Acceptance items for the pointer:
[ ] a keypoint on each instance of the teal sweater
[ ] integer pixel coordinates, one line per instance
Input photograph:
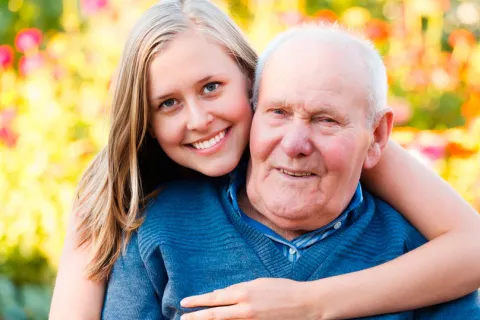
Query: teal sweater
(194, 242)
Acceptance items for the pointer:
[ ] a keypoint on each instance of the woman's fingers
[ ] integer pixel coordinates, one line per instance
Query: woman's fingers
(222, 297)
(232, 312)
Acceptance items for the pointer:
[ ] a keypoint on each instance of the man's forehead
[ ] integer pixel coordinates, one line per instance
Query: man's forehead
(300, 66)
(313, 94)
(309, 49)
(308, 84)
(319, 65)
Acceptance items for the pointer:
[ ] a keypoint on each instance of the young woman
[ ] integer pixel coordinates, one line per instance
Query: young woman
(162, 114)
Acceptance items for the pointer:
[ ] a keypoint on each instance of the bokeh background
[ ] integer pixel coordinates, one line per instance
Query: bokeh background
(57, 59)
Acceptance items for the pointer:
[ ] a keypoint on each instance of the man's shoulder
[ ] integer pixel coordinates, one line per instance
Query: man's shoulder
(467, 307)
(394, 223)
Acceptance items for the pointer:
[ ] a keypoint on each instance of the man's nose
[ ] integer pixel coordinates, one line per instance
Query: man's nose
(296, 140)
(198, 117)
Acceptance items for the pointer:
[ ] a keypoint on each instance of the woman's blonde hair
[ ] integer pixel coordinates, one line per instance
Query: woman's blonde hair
(113, 190)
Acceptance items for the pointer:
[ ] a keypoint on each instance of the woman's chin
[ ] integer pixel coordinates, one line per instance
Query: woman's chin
(218, 170)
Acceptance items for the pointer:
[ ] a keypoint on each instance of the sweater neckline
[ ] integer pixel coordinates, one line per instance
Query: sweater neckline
(273, 259)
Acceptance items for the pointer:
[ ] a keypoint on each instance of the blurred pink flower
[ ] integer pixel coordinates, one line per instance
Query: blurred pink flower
(7, 136)
(434, 152)
(432, 145)
(90, 7)
(28, 64)
(6, 56)
(7, 116)
(27, 39)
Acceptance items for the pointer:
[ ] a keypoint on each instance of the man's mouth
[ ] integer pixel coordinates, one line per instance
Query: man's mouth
(211, 142)
(296, 173)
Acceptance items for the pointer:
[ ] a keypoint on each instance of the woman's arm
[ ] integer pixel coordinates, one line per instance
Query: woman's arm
(75, 297)
(443, 269)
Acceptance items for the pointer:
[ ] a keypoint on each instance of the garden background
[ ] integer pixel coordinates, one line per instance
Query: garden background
(57, 58)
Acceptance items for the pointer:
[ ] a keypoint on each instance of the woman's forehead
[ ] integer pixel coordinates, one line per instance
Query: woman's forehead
(192, 52)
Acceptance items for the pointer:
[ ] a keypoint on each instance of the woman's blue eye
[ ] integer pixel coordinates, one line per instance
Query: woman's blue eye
(168, 103)
(210, 87)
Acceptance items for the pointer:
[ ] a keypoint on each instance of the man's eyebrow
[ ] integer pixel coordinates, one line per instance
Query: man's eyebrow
(313, 108)
(278, 104)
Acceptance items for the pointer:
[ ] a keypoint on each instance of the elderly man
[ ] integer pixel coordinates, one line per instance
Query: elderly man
(300, 213)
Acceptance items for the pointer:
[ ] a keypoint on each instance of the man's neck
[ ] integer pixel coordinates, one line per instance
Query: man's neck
(248, 209)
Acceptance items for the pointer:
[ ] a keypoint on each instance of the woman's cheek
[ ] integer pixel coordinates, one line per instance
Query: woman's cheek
(241, 112)
(168, 132)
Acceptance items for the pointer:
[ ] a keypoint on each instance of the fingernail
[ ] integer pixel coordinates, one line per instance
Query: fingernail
(183, 303)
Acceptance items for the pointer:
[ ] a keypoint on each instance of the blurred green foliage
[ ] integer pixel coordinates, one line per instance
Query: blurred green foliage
(18, 14)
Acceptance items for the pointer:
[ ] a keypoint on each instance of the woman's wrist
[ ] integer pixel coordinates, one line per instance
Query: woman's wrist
(313, 300)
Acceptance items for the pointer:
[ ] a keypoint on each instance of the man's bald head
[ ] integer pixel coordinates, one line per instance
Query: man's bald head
(328, 46)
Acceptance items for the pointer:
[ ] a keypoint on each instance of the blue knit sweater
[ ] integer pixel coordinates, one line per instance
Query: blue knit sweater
(194, 242)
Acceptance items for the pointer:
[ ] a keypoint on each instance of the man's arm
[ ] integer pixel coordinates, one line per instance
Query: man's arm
(130, 292)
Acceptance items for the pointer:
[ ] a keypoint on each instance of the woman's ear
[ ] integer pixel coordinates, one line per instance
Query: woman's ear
(382, 128)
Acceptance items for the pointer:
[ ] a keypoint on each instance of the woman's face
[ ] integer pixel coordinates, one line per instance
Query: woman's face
(199, 105)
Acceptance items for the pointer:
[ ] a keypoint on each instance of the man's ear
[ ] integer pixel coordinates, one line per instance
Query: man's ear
(382, 127)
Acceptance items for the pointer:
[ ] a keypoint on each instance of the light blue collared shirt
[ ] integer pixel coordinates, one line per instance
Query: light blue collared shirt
(293, 249)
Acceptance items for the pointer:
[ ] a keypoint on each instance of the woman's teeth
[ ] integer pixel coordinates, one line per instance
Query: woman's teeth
(209, 143)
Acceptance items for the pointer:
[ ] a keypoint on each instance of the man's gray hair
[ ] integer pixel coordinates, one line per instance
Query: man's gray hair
(335, 34)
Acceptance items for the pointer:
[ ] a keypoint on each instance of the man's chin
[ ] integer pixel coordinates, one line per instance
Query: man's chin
(287, 214)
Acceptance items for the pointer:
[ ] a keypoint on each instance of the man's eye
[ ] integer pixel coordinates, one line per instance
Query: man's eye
(210, 87)
(326, 120)
(168, 103)
(278, 111)
(329, 120)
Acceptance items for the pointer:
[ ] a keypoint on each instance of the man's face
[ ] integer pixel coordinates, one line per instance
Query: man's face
(310, 135)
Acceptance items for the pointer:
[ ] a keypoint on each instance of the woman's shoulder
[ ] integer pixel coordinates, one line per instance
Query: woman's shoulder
(181, 203)
(172, 195)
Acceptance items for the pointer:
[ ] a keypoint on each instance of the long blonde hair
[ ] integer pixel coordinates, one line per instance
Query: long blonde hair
(113, 189)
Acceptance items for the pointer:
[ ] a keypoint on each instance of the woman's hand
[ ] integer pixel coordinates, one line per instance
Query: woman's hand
(265, 299)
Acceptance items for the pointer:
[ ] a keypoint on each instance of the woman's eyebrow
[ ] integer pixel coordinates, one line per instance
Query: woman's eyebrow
(209, 77)
(160, 97)
(202, 80)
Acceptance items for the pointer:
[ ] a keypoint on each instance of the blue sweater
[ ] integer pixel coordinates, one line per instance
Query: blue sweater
(193, 242)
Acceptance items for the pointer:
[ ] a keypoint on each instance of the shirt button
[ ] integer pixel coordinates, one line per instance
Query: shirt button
(292, 251)
(337, 225)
